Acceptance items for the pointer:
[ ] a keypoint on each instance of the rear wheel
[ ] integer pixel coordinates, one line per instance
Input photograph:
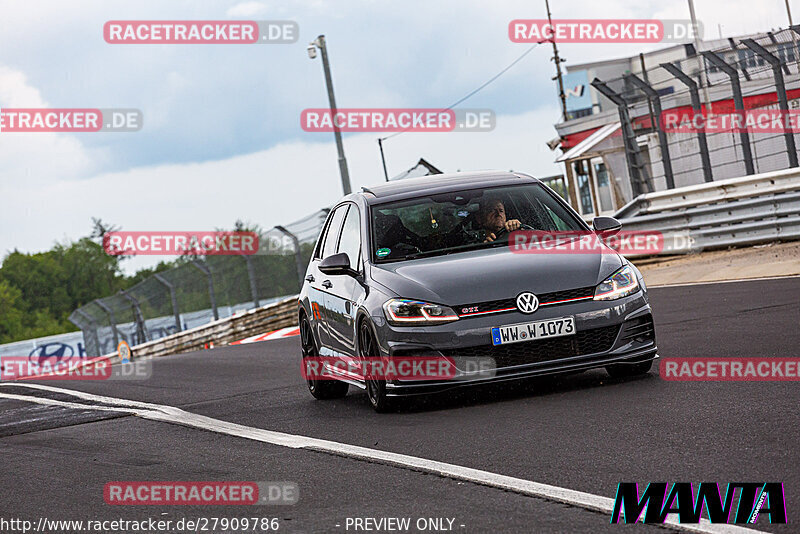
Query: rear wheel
(629, 370)
(319, 388)
(376, 388)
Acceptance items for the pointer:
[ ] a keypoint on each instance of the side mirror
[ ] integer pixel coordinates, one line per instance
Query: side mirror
(606, 226)
(337, 264)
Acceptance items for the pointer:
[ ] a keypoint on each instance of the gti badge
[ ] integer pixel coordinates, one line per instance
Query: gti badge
(527, 302)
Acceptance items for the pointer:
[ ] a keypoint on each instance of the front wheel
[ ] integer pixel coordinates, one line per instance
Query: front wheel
(376, 388)
(629, 370)
(320, 388)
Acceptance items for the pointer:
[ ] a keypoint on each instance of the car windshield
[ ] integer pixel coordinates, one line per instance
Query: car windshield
(458, 221)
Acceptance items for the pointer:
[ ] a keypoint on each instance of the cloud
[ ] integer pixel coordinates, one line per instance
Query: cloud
(275, 186)
(36, 158)
(246, 9)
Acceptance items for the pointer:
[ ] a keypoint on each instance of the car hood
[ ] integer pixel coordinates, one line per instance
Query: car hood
(491, 274)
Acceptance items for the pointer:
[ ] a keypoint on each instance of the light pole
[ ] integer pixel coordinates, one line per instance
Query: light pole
(319, 42)
(561, 95)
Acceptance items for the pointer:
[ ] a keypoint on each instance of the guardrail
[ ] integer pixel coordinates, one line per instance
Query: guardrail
(739, 211)
(224, 331)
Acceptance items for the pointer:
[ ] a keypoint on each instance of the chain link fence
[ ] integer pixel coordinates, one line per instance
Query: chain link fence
(756, 73)
(201, 289)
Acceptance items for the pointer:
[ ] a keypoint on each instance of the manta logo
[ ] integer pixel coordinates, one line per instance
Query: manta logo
(755, 500)
(61, 352)
(527, 302)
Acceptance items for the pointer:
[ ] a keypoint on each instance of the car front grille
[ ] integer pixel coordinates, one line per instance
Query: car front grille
(510, 304)
(584, 342)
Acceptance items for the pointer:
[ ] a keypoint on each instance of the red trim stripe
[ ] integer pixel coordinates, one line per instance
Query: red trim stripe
(565, 300)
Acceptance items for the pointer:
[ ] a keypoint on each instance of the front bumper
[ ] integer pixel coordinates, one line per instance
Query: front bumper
(616, 332)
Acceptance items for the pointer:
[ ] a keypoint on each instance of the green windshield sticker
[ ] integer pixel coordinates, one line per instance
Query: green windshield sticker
(381, 252)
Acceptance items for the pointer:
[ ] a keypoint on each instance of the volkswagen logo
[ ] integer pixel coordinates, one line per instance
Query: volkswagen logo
(527, 302)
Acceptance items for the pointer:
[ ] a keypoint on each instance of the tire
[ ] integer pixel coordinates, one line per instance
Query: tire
(629, 370)
(376, 389)
(319, 389)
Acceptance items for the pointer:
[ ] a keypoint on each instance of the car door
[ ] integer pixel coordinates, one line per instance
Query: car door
(344, 290)
(315, 278)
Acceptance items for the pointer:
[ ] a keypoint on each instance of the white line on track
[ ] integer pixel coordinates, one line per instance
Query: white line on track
(683, 284)
(171, 414)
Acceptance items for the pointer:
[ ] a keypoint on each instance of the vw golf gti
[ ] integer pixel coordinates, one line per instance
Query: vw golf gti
(425, 267)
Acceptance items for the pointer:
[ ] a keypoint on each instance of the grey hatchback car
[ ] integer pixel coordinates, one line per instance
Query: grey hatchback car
(425, 266)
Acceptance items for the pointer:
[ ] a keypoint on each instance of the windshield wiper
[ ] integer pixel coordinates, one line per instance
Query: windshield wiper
(447, 251)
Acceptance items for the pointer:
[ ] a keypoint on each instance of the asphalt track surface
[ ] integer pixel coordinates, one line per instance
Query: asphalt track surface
(583, 432)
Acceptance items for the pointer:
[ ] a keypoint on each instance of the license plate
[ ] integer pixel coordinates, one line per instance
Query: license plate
(516, 333)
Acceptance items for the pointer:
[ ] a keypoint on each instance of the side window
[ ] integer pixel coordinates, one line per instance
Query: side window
(320, 242)
(332, 234)
(350, 242)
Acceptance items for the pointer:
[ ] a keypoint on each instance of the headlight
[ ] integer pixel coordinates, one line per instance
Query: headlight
(407, 312)
(620, 284)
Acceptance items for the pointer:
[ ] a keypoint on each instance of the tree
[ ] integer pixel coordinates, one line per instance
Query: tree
(11, 316)
(40, 290)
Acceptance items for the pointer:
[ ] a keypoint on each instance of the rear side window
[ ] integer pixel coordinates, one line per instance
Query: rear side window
(350, 242)
(328, 247)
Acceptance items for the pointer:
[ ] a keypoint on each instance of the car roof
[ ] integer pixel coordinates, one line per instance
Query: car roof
(441, 183)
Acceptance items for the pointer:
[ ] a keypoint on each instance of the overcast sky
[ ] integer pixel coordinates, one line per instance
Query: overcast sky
(222, 138)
